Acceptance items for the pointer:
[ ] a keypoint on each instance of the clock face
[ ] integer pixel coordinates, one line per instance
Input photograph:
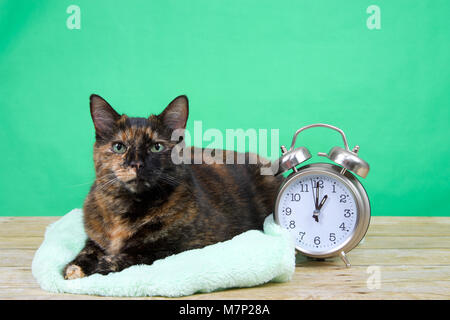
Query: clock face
(319, 211)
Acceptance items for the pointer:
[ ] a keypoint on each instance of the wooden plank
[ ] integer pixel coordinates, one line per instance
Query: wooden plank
(17, 277)
(416, 226)
(18, 293)
(405, 242)
(396, 282)
(20, 242)
(25, 226)
(358, 257)
(412, 255)
(386, 257)
(31, 219)
(16, 258)
(11, 230)
(27, 221)
(400, 281)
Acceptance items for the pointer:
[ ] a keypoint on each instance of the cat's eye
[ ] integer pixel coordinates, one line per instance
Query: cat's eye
(119, 147)
(157, 147)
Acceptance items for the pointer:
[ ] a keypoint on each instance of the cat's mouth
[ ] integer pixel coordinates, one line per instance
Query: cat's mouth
(136, 184)
(131, 184)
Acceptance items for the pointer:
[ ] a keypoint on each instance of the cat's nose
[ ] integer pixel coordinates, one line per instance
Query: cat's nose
(136, 164)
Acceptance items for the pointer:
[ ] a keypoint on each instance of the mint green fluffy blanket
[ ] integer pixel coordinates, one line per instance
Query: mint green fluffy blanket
(249, 259)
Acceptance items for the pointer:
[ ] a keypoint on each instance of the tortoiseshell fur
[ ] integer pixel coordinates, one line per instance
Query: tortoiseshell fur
(143, 207)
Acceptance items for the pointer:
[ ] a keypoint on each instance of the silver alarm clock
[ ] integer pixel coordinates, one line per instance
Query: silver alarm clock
(323, 205)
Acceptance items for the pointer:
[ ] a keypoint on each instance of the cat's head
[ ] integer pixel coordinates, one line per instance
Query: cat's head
(135, 153)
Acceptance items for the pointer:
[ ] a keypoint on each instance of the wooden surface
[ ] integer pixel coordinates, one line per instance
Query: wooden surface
(401, 258)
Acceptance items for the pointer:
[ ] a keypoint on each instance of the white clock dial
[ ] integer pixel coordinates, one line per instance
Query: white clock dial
(319, 211)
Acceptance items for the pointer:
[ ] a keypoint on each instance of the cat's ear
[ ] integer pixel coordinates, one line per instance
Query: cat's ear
(176, 113)
(103, 116)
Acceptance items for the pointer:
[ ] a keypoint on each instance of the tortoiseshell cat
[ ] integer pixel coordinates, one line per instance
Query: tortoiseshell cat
(143, 207)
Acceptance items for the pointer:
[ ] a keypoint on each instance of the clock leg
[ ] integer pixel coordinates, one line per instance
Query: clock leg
(345, 259)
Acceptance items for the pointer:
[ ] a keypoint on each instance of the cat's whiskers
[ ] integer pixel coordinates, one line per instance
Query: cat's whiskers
(79, 184)
(168, 178)
(105, 185)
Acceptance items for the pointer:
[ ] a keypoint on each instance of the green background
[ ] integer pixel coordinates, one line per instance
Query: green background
(243, 64)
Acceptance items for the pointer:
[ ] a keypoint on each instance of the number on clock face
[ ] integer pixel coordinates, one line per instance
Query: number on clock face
(319, 211)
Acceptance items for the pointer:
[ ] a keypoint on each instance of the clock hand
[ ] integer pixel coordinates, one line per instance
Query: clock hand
(315, 197)
(316, 215)
(317, 211)
(312, 189)
(319, 207)
(322, 202)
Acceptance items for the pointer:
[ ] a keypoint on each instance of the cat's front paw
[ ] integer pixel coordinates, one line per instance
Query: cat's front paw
(72, 271)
